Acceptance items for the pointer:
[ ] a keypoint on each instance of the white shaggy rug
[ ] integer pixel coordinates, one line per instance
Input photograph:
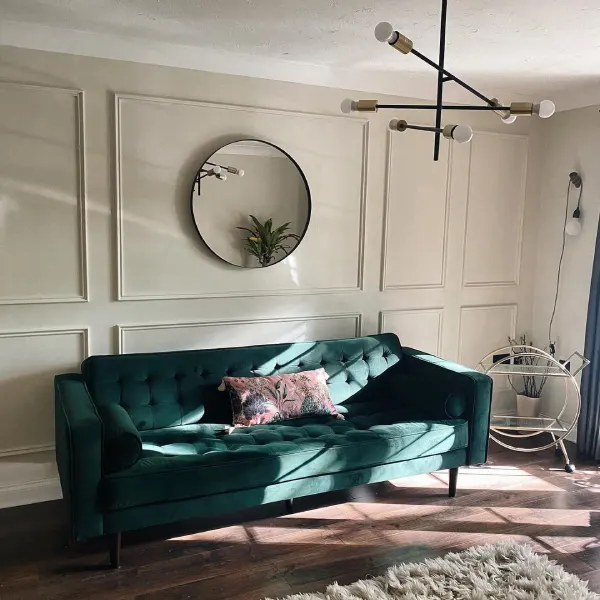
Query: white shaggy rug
(506, 571)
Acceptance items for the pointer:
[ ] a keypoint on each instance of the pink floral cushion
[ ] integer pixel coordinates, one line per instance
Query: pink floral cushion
(260, 400)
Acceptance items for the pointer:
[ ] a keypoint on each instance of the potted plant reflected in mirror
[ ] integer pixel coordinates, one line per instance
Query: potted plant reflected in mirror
(265, 240)
(529, 394)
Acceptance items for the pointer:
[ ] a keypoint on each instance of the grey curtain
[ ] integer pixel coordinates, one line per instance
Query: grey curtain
(588, 427)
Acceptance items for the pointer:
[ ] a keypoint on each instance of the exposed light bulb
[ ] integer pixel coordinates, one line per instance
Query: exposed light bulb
(348, 106)
(573, 226)
(216, 170)
(384, 32)
(509, 119)
(398, 125)
(240, 172)
(222, 176)
(462, 134)
(545, 109)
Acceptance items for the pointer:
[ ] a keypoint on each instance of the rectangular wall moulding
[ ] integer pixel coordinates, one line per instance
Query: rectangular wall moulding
(419, 328)
(495, 207)
(416, 213)
(161, 143)
(30, 360)
(223, 334)
(42, 189)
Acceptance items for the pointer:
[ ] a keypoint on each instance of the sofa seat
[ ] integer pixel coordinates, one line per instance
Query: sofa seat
(192, 461)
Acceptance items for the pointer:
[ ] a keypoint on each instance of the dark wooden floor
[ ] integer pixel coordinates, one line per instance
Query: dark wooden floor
(336, 537)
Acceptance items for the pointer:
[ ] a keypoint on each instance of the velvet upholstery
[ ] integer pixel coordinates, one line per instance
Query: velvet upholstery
(78, 432)
(262, 454)
(178, 510)
(405, 412)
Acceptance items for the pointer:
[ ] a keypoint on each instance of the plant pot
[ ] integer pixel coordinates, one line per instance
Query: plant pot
(527, 406)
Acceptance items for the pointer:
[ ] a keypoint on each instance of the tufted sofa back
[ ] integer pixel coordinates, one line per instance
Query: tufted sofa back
(165, 389)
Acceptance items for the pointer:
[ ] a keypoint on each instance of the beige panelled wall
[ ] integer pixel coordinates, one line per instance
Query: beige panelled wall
(99, 253)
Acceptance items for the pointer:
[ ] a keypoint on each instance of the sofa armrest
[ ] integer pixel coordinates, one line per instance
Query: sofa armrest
(122, 444)
(449, 390)
(78, 431)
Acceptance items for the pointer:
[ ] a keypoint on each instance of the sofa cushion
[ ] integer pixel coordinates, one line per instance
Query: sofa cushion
(168, 389)
(275, 398)
(194, 461)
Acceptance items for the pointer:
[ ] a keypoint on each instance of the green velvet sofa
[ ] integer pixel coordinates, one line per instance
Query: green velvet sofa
(140, 437)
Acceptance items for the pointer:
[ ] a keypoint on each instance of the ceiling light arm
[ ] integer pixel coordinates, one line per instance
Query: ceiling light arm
(447, 76)
(440, 81)
(461, 133)
(444, 107)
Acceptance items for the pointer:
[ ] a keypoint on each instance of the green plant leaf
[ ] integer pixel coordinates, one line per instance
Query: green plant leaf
(250, 231)
(260, 228)
(282, 228)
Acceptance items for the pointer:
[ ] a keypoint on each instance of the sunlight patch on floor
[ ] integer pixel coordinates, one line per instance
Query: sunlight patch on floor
(335, 511)
(235, 533)
(505, 478)
(546, 516)
(419, 481)
(569, 544)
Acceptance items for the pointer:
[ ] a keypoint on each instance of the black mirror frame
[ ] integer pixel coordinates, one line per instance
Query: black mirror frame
(306, 187)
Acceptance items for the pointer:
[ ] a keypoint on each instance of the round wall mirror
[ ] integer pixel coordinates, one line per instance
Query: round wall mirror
(251, 203)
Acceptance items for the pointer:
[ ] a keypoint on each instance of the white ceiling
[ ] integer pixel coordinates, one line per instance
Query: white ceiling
(537, 48)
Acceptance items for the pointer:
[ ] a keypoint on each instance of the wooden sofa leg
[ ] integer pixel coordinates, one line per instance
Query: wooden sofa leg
(452, 483)
(289, 505)
(114, 549)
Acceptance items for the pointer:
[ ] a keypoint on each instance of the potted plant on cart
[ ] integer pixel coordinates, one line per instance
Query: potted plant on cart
(529, 394)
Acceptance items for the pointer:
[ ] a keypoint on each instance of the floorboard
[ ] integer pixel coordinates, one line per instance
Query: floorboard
(342, 536)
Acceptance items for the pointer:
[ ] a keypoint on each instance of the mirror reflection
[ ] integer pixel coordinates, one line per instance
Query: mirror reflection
(251, 204)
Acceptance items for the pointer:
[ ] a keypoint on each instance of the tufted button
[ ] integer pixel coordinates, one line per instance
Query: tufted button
(229, 372)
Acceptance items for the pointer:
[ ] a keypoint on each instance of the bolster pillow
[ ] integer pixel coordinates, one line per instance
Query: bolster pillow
(122, 442)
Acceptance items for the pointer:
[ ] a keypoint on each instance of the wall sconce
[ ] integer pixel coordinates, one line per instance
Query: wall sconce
(573, 225)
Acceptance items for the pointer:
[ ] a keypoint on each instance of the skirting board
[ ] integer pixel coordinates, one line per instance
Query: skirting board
(30, 492)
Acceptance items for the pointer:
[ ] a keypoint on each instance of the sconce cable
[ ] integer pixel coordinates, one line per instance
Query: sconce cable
(574, 179)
